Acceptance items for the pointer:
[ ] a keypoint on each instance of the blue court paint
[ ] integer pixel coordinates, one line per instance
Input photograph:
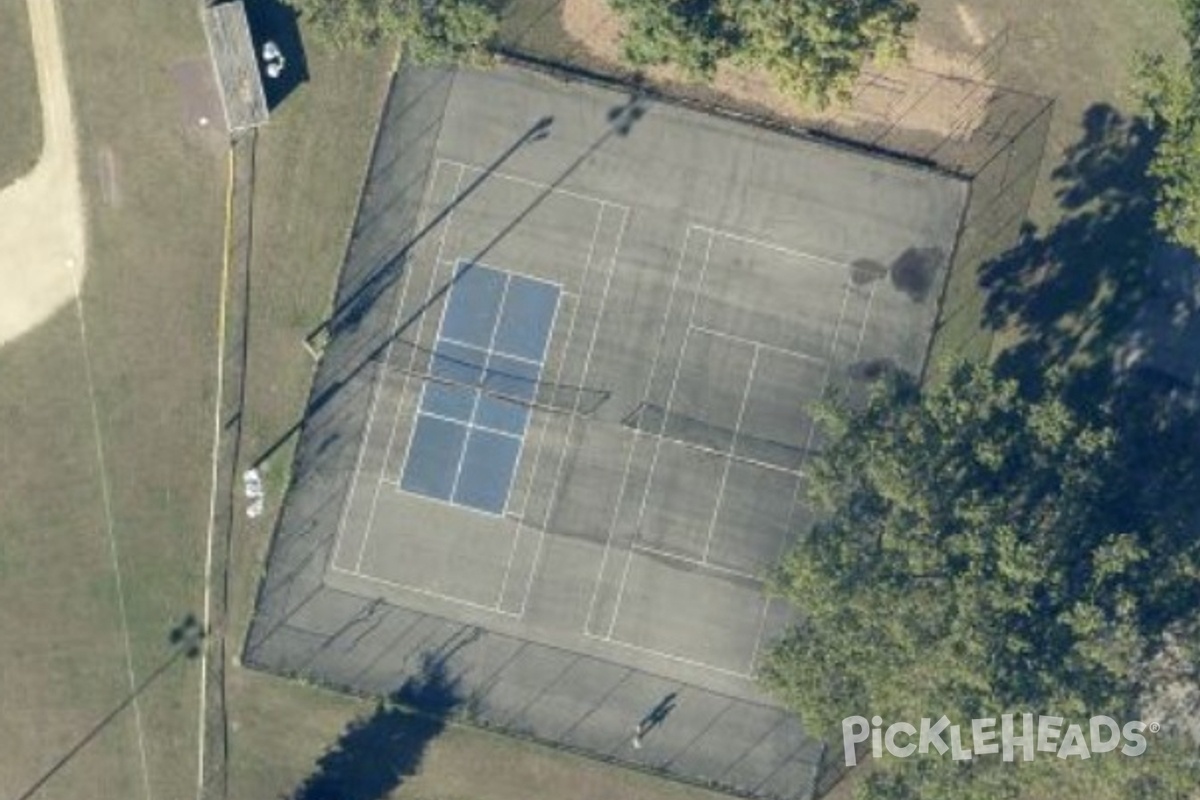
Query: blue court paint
(463, 366)
(433, 457)
(526, 318)
(473, 306)
(491, 344)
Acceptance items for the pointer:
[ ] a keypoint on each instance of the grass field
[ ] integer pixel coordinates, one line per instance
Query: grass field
(1077, 52)
(22, 138)
(148, 303)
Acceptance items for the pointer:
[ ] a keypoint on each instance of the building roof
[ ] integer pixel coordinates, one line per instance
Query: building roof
(236, 65)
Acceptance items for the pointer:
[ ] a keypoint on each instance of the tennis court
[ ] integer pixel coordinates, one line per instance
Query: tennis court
(581, 415)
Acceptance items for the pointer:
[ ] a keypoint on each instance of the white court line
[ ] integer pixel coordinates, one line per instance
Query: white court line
(691, 662)
(110, 525)
(462, 455)
(409, 494)
(737, 237)
(562, 290)
(537, 457)
(732, 456)
(470, 426)
(529, 412)
(387, 360)
(412, 431)
(862, 329)
(366, 436)
(766, 606)
(708, 565)
(662, 335)
(460, 262)
(658, 443)
(429, 292)
(763, 345)
(537, 184)
(448, 598)
(477, 349)
(737, 427)
(587, 365)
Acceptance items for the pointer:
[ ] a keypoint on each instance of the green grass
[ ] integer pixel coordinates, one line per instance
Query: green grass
(62, 659)
(21, 140)
(1081, 54)
(309, 167)
(149, 299)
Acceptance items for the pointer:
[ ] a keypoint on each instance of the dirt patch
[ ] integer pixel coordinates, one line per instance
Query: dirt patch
(201, 117)
(938, 93)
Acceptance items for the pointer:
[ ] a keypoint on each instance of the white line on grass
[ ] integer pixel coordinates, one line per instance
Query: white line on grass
(110, 527)
(213, 477)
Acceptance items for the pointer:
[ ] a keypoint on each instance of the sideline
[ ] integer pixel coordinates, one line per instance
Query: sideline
(214, 479)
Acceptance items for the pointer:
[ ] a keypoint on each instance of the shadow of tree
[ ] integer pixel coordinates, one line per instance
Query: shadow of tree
(375, 754)
(1075, 297)
(1069, 292)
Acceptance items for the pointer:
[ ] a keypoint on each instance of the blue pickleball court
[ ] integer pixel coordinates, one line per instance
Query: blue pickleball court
(486, 365)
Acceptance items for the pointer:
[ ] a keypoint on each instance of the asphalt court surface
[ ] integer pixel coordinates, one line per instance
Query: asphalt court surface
(639, 303)
(708, 282)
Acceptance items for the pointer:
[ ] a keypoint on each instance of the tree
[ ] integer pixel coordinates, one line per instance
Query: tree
(979, 553)
(351, 23)
(814, 49)
(1171, 95)
(685, 33)
(447, 31)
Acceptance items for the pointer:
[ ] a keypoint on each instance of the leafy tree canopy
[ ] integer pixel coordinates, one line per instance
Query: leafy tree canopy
(814, 49)
(978, 553)
(446, 31)
(1171, 95)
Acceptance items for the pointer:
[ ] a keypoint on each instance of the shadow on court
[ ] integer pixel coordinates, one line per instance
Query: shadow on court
(350, 311)
(185, 641)
(375, 754)
(353, 308)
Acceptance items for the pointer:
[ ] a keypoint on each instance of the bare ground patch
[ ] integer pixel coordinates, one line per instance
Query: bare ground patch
(41, 214)
(938, 93)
